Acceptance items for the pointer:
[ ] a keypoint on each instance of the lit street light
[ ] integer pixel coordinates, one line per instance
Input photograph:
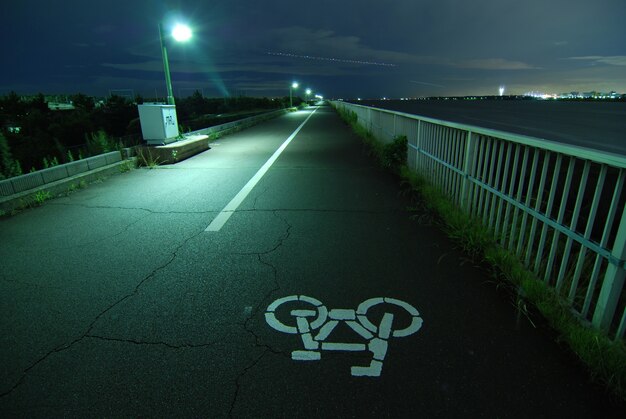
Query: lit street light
(294, 85)
(180, 33)
(308, 93)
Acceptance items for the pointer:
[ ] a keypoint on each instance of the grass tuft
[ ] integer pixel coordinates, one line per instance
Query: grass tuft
(146, 158)
(41, 197)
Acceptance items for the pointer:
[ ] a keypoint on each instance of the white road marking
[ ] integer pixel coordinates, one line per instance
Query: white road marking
(306, 356)
(332, 346)
(271, 319)
(219, 221)
(342, 314)
(377, 336)
(373, 370)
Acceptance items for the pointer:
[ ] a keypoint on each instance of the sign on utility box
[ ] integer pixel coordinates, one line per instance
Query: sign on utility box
(158, 123)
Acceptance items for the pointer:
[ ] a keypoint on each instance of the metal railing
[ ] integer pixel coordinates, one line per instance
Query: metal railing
(559, 208)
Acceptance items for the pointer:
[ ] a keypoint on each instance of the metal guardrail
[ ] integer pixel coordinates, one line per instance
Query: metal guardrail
(560, 208)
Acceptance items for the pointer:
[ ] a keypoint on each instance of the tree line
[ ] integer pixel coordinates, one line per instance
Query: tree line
(33, 137)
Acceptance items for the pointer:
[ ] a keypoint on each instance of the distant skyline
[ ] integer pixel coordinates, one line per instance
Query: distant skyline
(352, 48)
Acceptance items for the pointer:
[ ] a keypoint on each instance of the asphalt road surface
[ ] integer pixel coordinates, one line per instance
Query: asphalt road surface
(315, 294)
(596, 125)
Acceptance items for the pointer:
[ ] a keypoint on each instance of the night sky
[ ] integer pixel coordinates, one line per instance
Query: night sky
(339, 48)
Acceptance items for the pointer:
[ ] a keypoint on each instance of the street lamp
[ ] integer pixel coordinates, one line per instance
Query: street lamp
(308, 93)
(294, 85)
(180, 33)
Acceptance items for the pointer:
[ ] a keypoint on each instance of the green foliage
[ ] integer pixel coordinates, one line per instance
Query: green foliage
(41, 197)
(146, 158)
(83, 102)
(70, 157)
(8, 166)
(99, 142)
(391, 156)
(53, 161)
(126, 166)
(76, 186)
(17, 168)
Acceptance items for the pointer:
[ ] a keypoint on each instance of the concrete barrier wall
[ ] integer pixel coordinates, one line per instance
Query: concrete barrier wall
(242, 122)
(33, 180)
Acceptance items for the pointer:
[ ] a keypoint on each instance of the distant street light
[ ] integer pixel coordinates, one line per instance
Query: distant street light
(180, 33)
(308, 93)
(294, 85)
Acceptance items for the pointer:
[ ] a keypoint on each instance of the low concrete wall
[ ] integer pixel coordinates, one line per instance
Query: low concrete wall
(28, 197)
(33, 180)
(242, 123)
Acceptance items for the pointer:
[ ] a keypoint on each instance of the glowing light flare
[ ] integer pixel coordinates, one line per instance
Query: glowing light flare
(501, 90)
(295, 85)
(181, 32)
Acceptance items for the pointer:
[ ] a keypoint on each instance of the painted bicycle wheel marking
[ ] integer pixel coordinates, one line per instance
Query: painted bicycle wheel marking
(319, 317)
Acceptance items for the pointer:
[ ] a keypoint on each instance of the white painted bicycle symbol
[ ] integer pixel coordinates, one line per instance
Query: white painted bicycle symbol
(319, 317)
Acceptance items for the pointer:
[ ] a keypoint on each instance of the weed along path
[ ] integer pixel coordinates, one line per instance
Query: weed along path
(319, 295)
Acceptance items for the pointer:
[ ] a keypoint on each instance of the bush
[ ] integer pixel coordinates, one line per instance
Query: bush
(99, 142)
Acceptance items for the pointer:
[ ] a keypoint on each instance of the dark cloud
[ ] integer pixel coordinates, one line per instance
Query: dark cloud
(349, 48)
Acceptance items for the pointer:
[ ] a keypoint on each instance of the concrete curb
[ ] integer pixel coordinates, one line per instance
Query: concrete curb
(27, 198)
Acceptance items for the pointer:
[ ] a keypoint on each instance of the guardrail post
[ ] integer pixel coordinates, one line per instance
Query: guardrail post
(394, 127)
(613, 281)
(468, 163)
(418, 144)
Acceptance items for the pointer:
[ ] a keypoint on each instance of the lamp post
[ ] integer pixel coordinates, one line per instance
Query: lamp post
(308, 93)
(181, 33)
(294, 85)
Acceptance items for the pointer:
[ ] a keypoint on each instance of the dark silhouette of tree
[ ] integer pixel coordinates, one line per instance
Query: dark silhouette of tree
(8, 166)
(84, 102)
(11, 107)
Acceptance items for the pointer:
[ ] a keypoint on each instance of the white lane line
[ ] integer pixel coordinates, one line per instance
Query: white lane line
(219, 221)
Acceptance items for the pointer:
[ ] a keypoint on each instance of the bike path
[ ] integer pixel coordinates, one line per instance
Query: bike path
(120, 303)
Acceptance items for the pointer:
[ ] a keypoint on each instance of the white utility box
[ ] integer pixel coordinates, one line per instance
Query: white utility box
(158, 123)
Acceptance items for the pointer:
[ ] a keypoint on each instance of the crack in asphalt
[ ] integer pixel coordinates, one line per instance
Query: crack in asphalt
(237, 383)
(151, 211)
(279, 243)
(102, 239)
(258, 196)
(246, 324)
(86, 334)
(142, 342)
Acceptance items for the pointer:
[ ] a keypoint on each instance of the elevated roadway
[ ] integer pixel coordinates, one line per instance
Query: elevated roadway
(316, 294)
